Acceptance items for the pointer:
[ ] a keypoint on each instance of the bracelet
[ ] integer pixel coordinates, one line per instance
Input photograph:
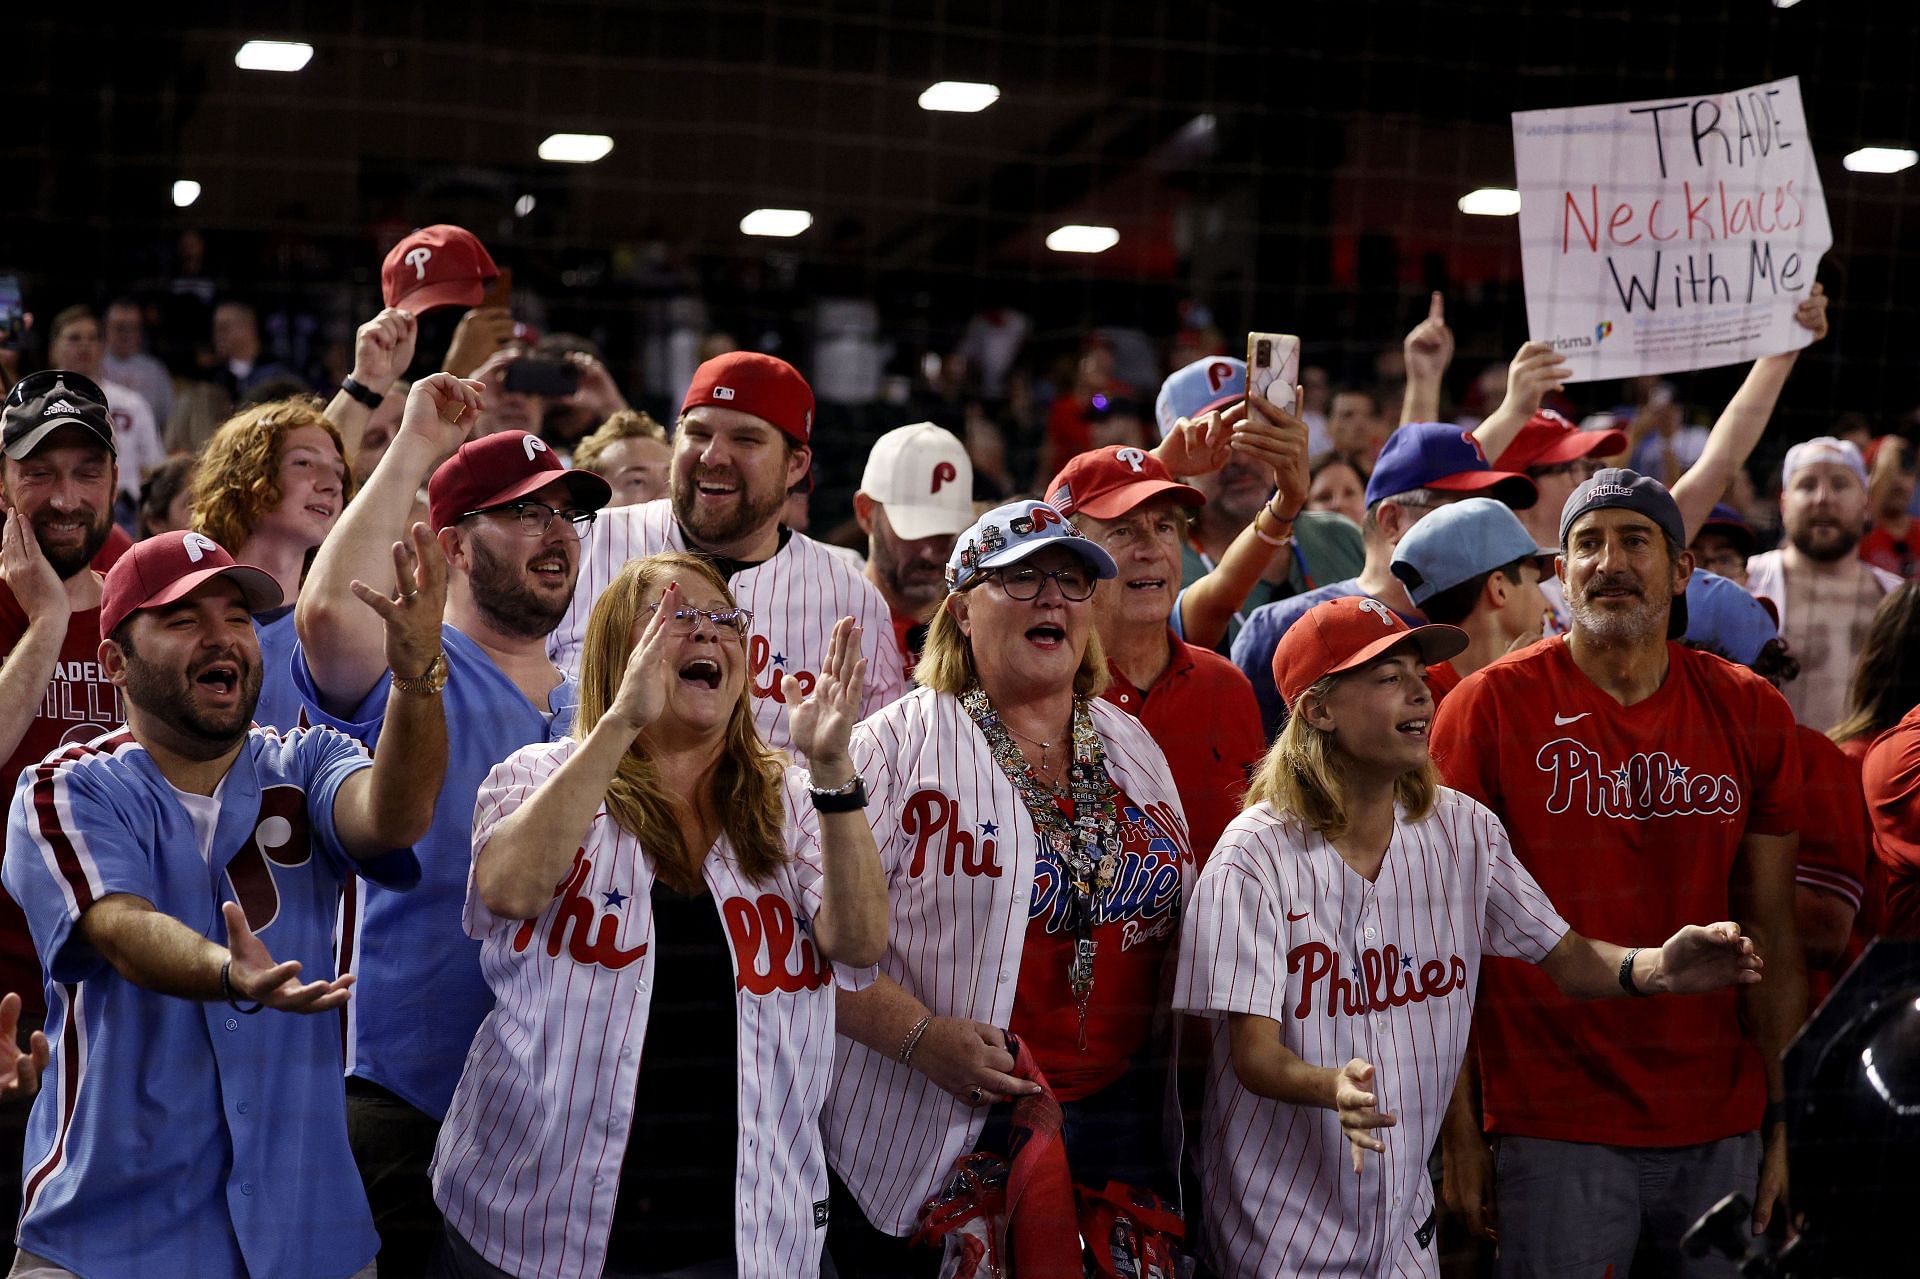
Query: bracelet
(1284, 519)
(1275, 542)
(1775, 1113)
(360, 391)
(1285, 539)
(912, 1041)
(850, 798)
(1626, 972)
(226, 988)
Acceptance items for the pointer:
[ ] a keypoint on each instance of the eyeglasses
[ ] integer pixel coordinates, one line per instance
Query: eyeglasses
(732, 623)
(536, 518)
(1075, 582)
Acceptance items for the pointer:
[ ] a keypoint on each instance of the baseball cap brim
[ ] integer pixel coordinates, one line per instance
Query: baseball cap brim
(589, 491)
(19, 449)
(1436, 644)
(911, 523)
(262, 592)
(1117, 502)
(1574, 445)
(1509, 487)
(1086, 548)
(1739, 534)
(431, 297)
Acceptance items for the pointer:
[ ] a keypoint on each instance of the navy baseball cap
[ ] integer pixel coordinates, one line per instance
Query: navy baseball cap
(1730, 524)
(1458, 543)
(1721, 616)
(1008, 534)
(1618, 488)
(1439, 455)
(1209, 383)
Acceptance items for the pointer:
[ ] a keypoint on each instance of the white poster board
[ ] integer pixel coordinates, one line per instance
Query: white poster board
(1671, 234)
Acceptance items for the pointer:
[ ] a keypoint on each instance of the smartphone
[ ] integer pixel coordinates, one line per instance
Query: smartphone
(13, 315)
(1273, 368)
(555, 379)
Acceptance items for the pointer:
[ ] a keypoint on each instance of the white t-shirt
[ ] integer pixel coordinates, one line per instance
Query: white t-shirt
(136, 436)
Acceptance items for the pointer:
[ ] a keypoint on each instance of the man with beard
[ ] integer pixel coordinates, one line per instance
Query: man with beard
(915, 498)
(180, 873)
(1640, 782)
(741, 444)
(509, 519)
(1326, 547)
(1824, 593)
(59, 474)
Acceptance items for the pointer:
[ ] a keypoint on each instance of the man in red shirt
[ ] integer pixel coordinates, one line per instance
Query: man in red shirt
(59, 477)
(1642, 784)
(1891, 778)
(1194, 703)
(915, 497)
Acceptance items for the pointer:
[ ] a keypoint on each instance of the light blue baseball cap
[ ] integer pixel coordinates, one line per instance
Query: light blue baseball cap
(1209, 383)
(1008, 534)
(1721, 616)
(1459, 542)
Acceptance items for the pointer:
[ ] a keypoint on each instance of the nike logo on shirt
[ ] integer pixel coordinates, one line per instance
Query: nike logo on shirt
(1561, 721)
(1294, 919)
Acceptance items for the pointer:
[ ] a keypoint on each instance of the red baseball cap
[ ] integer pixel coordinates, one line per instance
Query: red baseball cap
(1548, 439)
(763, 385)
(500, 468)
(1107, 483)
(437, 266)
(1348, 632)
(170, 566)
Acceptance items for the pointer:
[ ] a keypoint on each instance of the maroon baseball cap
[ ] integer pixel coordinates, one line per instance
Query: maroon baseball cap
(437, 266)
(1548, 439)
(500, 468)
(1107, 483)
(170, 566)
(763, 385)
(1348, 632)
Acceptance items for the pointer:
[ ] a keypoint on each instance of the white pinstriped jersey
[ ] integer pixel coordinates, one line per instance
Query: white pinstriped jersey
(796, 597)
(959, 853)
(1385, 971)
(528, 1164)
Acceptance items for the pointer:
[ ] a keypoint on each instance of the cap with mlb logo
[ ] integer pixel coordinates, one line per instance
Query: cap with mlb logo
(763, 385)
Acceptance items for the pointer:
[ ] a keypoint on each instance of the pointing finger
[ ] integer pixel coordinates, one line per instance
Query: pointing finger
(1437, 307)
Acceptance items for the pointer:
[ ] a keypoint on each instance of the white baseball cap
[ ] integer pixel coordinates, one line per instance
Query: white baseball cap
(922, 475)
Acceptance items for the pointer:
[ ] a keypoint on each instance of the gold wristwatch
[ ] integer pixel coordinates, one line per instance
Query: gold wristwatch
(429, 681)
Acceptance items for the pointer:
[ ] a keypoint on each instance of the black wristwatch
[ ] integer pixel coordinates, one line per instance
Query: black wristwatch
(361, 391)
(849, 798)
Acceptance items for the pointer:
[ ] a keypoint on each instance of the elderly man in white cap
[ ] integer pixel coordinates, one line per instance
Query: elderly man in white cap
(1824, 593)
(915, 498)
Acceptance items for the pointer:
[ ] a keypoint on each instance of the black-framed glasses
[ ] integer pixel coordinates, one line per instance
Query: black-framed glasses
(1022, 582)
(732, 623)
(535, 518)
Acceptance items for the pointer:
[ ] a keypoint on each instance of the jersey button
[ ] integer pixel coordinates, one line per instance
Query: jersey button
(233, 1023)
(626, 1053)
(246, 1187)
(241, 1107)
(1369, 934)
(598, 1179)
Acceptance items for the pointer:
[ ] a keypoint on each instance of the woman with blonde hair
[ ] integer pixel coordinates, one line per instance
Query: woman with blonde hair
(269, 486)
(662, 902)
(1037, 858)
(1335, 940)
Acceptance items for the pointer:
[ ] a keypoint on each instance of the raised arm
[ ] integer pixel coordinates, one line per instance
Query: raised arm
(1534, 370)
(1693, 961)
(1742, 422)
(1427, 350)
(1277, 440)
(42, 596)
(390, 805)
(851, 924)
(382, 350)
(344, 641)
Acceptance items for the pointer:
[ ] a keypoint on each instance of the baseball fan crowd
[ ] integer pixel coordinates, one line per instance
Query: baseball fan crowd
(461, 827)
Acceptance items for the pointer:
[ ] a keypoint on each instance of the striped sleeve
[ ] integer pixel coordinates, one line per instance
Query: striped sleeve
(509, 784)
(1233, 939)
(70, 843)
(1518, 921)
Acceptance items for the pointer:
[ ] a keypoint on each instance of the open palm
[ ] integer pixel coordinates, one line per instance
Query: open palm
(821, 723)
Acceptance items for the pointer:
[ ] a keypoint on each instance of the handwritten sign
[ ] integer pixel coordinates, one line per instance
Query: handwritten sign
(1672, 234)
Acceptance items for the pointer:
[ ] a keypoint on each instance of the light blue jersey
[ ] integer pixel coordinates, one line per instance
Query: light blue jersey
(420, 995)
(172, 1137)
(279, 705)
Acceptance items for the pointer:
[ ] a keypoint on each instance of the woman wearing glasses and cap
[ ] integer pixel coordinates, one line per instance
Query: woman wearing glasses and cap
(1036, 857)
(661, 902)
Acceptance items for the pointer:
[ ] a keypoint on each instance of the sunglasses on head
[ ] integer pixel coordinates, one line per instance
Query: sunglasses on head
(35, 385)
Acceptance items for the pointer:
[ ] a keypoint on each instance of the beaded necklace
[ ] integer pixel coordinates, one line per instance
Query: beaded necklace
(1088, 845)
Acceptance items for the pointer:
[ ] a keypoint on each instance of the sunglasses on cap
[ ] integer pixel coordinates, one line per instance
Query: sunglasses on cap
(35, 385)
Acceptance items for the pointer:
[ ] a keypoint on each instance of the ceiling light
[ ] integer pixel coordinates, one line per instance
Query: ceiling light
(185, 192)
(1491, 202)
(959, 95)
(523, 206)
(576, 148)
(781, 223)
(1879, 160)
(1083, 239)
(272, 55)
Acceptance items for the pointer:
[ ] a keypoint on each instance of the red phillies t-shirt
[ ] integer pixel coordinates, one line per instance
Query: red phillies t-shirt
(1900, 556)
(1138, 918)
(904, 627)
(1441, 680)
(1630, 818)
(1871, 921)
(116, 545)
(1891, 779)
(1833, 839)
(79, 705)
(1202, 716)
